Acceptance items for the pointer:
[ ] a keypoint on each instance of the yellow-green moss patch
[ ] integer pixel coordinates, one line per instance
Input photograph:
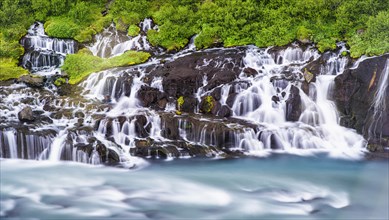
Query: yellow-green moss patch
(80, 65)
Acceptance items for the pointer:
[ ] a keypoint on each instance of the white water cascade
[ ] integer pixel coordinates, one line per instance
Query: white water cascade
(380, 106)
(44, 54)
(318, 125)
(111, 42)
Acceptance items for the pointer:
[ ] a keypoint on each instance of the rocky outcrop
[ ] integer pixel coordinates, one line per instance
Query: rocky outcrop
(293, 105)
(33, 80)
(184, 76)
(355, 94)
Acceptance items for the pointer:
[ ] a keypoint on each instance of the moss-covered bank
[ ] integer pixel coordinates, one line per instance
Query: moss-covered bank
(80, 65)
(363, 24)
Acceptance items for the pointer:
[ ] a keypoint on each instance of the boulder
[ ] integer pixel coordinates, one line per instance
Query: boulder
(26, 115)
(293, 105)
(33, 80)
(250, 72)
(149, 96)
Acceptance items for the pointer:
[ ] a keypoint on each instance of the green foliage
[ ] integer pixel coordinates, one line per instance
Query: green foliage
(375, 40)
(176, 26)
(10, 70)
(10, 49)
(364, 24)
(80, 65)
(303, 34)
(133, 30)
(129, 12)
(61, 27)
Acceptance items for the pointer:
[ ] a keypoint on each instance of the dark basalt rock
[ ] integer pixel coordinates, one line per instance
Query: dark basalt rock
(183, 76)
(150, 97)
(33, 80)
(224, 111)
(293, 105)
(354, 95)
(250, 72)
(181, 81)
(26, 115)
(189, 105)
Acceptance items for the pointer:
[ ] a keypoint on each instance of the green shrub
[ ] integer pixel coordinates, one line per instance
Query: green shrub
(61, 27)
(133, 30)
(375, 40)
(10, 70)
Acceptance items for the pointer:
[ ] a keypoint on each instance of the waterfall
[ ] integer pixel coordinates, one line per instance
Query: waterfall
(42, 53)
(111, 42)
(318, 124)
(380, 106)
(266, 107)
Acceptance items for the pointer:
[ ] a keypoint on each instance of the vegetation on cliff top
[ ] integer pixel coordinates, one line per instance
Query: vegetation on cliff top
(364, 24)
(80, 65)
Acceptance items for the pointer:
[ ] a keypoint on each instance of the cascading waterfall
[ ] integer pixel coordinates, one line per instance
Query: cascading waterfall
(318, 125)
(271, 112)
(44, 54)
(336, 63)
(111, 42)
(379, 105)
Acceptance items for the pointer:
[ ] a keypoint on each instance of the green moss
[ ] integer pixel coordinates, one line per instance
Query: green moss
(180, 101)
(60, 81)
(10, 70)
(80, 65)
(133, 30)
(344, 53)
(208, 104)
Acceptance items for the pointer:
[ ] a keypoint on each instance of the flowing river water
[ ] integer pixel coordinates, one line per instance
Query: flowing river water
(278, 187)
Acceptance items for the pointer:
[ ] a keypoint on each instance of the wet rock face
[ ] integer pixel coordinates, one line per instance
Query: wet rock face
(151, 97)
(355, 93)
(293, 105)
(184, 76)
(26, 115)
(33, 80)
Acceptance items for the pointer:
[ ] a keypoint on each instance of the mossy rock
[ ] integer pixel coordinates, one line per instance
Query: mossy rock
(79, 66)
(60, 81)
(207, 104)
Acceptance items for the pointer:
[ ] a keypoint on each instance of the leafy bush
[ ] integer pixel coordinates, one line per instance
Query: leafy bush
(133, 30)
(61, 27)
(375, 40)
(10, 70)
